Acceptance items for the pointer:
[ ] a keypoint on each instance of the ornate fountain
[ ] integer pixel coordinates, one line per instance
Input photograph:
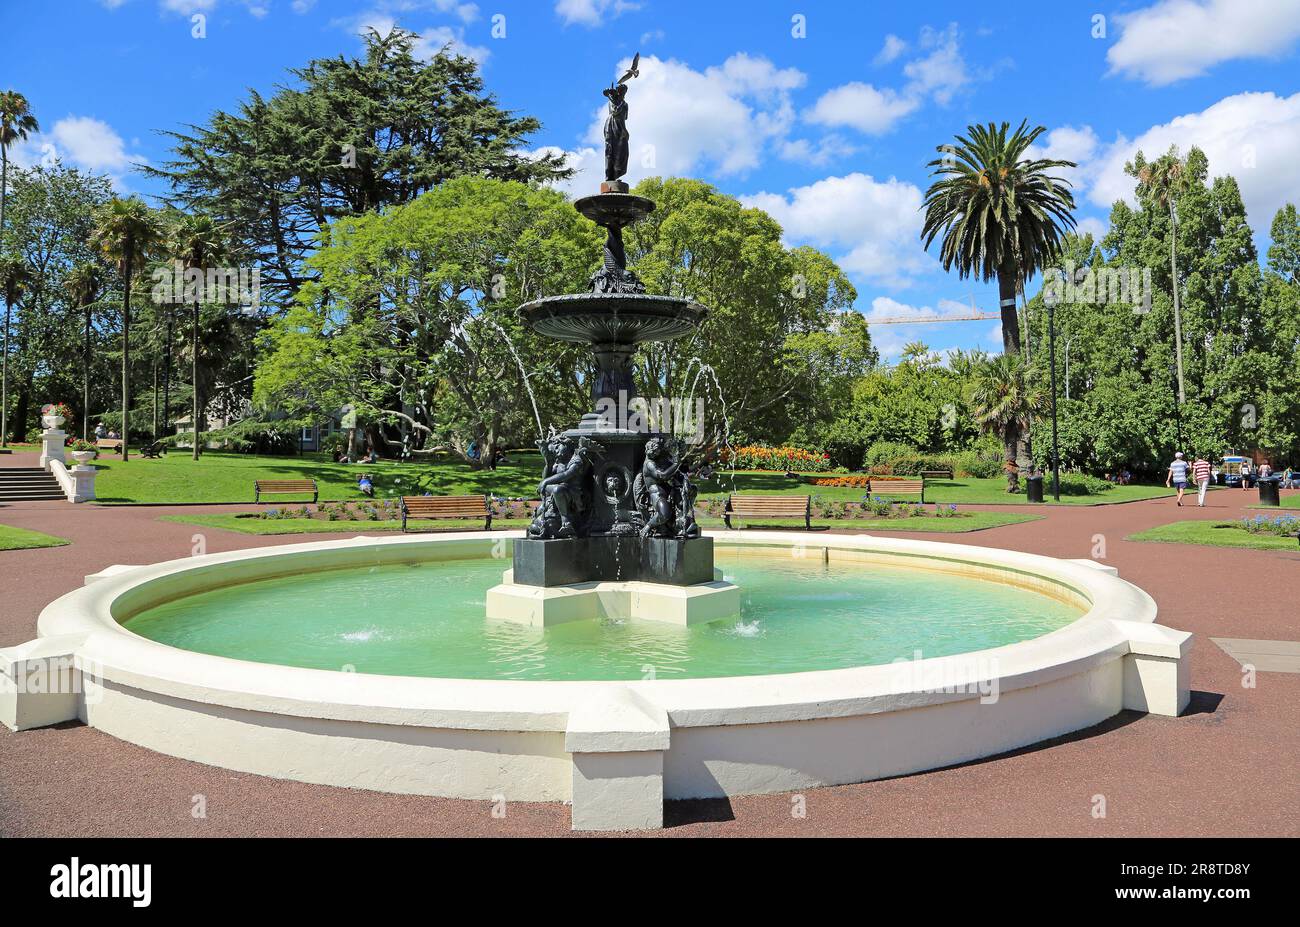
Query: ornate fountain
(617, 505)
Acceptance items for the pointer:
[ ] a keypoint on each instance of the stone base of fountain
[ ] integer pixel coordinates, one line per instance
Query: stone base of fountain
(546, 606)
(613, 558)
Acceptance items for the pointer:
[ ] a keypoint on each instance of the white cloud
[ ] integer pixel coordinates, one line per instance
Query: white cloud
(937, 74)
(588, 165)
(721, 119)
(942, 72)
(432, 41)
(1094, 227)
(893, 47)
(591, 12)
(861, 106)
(871, 225)
(890, 339)
(1251, 136)
(1176, 39)
(828, 148)
(303, 6)
(80, 141)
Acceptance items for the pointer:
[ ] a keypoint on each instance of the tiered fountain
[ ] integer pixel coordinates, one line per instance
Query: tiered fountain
(617, 508)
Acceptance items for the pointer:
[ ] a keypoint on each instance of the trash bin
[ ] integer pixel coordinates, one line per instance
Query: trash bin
(1268, 494)
(1034, 485)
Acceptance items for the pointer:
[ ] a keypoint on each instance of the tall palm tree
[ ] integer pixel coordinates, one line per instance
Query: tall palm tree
(16, 121)
(1162, 181)
(83, 284)
(14, 277)
(126, 230)
(196, 240)
(1000, 214)
(1004, 395)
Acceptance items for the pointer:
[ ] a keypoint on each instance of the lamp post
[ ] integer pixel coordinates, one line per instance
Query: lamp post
(1051, 362)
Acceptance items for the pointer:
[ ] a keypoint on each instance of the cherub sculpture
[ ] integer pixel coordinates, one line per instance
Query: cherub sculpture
(565, 490)
(664, 496)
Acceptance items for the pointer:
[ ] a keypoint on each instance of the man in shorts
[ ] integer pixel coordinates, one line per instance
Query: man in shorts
(1177, 476)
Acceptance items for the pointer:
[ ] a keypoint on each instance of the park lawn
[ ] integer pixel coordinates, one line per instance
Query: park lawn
(222, 476)
(12, 538)
(230, 521)
(1212, 534)
(961, 491)
(268, 526)
(967, 521)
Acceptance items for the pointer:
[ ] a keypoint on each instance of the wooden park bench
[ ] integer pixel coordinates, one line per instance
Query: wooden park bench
(283, 487)
(880, 487)
(114, 445)
(944, 474)
(749, 506)
(435, 507)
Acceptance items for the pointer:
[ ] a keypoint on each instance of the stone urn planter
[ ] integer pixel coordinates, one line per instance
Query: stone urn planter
(52, 421)
(83, 458)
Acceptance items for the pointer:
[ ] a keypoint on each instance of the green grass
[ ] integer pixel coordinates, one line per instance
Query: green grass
(962, 491)
(1213, 534)
(220, 476)
(269, 526)
(970, 521)
(12, 538)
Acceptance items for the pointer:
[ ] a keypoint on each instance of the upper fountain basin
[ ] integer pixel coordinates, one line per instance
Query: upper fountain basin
(617, 209)
(613, 318)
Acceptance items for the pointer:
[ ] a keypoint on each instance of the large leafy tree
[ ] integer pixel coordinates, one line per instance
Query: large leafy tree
(350, 136)
(412, 321)
(50, 224)
(998, 214)
(83, 284)
(777, 337)
(16, 122)
(15, 278)
(195, 240)
(126, 232)
(1161, 182)
(1004, 395)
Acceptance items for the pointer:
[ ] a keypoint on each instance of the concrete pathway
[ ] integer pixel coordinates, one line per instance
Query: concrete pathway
(1227, 767)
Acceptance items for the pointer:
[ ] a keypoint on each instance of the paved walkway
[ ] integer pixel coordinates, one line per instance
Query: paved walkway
(1228, 767)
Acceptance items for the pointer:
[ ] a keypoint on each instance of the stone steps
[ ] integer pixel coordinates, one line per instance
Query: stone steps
(28, 484)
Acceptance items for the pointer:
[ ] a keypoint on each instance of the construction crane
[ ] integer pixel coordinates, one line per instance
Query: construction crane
(975, 315)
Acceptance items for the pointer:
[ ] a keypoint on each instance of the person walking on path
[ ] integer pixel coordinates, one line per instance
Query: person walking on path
(1178, 475)
(1201, 473)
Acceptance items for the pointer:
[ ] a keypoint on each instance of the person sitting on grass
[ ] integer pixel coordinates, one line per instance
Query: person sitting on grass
(366, 485)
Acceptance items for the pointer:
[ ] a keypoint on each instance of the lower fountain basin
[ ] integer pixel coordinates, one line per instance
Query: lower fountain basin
(615, 747)
(613, 318)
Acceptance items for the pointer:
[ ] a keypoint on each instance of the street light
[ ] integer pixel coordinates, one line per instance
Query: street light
(1051, 361)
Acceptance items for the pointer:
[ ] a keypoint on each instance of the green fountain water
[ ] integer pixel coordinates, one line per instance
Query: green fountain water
(426, 619)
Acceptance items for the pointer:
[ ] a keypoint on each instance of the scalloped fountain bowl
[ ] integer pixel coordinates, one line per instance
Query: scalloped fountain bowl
(222, 659)
(613, 318)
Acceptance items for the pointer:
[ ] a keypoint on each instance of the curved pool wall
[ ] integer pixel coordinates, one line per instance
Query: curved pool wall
(615, 750)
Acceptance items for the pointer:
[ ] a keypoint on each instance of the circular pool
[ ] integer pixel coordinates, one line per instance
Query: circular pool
(367, 662)
(426, 618)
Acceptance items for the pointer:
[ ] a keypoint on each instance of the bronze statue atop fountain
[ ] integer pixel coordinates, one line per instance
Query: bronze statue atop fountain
(616, 501)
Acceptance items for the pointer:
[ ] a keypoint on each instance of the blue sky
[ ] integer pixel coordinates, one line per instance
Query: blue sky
(824, 113)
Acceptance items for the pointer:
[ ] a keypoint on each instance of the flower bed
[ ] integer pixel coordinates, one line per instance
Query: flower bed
(775, 459)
